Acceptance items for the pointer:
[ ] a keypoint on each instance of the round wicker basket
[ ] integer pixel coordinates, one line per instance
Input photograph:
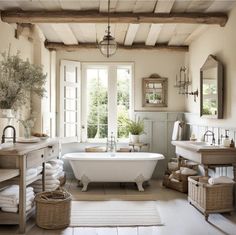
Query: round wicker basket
(53, 209)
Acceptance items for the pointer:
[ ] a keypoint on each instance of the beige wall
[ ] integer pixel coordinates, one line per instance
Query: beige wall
(25, 47)
(7, 38)
(164, 63)
(220, 42)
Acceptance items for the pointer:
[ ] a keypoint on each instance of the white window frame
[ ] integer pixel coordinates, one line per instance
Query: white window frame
(112, 100)
(63, 85)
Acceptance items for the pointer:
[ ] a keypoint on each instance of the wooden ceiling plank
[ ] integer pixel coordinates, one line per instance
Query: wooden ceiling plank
(195, 34)
(153, 35)
(85, 33)
(131, 33)
(70, 5)
(199, 6)
(220, 6)
(103, 5)
(65, 33)
(120, 32)
(52, 5)
(144, 6)
(166, 33)
(61, 46)
(164, 6)
(96, 17)
(49, 32)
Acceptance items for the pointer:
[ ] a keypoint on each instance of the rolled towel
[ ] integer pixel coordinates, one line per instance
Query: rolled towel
(187, 171)
(47, 182)
(14, 209)
(56, 161)
(47, 187)
(51, 177)
(48, 166)
(61, 174)
(39, 169)
(220, 180)
(29, 177)
(50, 172)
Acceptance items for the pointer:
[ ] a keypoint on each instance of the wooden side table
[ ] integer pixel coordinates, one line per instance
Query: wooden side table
(139, 146)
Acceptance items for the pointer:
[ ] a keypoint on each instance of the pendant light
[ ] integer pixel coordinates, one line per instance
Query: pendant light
(108, 44)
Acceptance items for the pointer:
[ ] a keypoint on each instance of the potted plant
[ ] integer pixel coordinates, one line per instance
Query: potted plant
(18, 80)
(135, 128)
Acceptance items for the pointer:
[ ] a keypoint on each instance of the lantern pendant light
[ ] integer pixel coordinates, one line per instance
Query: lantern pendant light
(108, 44)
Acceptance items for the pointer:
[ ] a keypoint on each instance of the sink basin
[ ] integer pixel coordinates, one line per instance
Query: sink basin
(200, 143)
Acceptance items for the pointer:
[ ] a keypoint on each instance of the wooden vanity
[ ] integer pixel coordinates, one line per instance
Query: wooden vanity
(206, 155)
(15, 159)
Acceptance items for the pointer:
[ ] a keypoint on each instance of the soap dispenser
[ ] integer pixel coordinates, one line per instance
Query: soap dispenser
(226, 140)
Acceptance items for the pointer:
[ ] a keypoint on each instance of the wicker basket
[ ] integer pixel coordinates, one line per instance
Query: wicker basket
(210, 198)
(181, 186)
(62, 179)
(53, 209)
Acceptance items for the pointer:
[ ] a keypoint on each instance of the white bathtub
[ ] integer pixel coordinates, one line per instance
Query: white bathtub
(113, 167)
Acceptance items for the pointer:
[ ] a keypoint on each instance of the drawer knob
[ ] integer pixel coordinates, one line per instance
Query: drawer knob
(42, 156)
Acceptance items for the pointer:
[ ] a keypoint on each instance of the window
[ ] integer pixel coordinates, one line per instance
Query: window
(96, 105)
(70, 101)
(106, 100)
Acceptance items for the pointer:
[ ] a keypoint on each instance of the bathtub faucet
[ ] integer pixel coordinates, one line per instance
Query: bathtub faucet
(111, 143)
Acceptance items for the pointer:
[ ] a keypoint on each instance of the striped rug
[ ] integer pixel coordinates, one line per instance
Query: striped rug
(114, 213)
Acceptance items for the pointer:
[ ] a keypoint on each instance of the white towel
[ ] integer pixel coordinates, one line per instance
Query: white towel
(47, 182)
(220, 180)
(61, 174)
(39, 169)
(177, 131)
(187, 171)
(56, 162)
(31, 171)
(29, 177)
(14, 209)
(50, 172)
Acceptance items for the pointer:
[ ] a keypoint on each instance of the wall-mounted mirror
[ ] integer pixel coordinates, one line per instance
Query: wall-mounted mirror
(155, 91)
(211, 88)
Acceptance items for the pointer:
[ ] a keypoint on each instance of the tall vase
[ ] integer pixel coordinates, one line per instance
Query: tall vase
(27, 132)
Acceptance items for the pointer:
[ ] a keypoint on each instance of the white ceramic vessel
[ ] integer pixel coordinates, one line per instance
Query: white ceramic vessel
(113, 167)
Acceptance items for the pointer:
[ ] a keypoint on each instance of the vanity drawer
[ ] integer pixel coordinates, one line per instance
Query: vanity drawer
(51, 152)
(35, 158)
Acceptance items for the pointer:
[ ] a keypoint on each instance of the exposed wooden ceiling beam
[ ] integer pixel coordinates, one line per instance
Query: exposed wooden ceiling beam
(62, 46)
(66, 16)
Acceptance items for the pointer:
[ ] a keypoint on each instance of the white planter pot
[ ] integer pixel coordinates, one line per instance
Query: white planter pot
(134, 138)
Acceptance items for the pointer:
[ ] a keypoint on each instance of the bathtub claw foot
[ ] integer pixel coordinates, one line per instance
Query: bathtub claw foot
(140, 186)
(139, 182)
(85, 181)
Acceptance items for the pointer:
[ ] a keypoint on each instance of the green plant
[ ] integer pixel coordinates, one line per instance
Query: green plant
(18, 79)
(135, 127)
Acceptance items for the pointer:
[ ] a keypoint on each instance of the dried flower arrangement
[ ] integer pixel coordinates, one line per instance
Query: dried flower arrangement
(18, 79)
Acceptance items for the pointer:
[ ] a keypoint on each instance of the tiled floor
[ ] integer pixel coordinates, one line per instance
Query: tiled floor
(178, 216)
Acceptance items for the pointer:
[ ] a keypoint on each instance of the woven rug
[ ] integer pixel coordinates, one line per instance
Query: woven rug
(114, 213)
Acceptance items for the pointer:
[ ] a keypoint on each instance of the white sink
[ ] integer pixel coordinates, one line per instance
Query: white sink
(200, 143)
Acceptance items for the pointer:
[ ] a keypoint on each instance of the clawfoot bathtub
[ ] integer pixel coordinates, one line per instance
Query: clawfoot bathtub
(113, 167)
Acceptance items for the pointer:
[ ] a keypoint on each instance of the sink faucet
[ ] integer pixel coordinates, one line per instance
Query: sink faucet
(111, 143)
(210, 133)
(13, 137)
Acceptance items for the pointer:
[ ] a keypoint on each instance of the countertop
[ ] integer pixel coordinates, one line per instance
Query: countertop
(24, 148)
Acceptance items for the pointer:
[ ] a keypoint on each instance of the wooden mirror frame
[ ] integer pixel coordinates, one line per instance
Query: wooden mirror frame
(212, 62)
(155, 78)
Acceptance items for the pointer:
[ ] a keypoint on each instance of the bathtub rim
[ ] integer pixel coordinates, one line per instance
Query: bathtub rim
(100, 156)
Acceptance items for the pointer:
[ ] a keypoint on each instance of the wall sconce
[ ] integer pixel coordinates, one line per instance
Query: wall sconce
(184, 82)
